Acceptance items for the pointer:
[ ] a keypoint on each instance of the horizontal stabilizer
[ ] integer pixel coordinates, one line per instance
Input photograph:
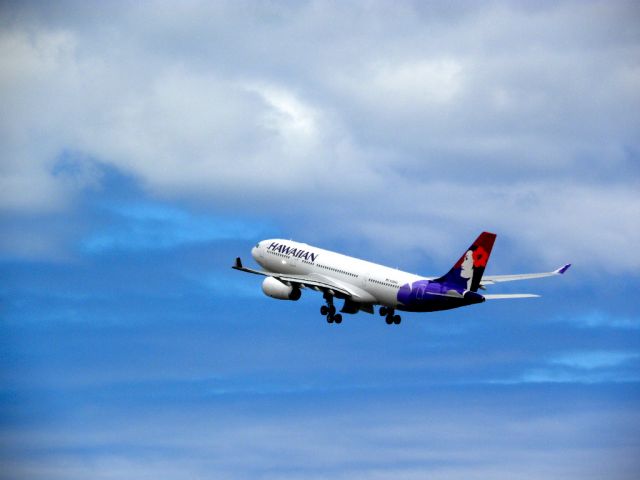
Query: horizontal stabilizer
(505, 296)
(492, 279)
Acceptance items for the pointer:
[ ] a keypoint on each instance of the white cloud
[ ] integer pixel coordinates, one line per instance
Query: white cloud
(600, 319)
(594, 359)
(291, 118)
(30, 133)
(411, 86)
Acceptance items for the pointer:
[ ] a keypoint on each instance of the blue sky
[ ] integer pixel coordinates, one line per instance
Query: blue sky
(145, 146)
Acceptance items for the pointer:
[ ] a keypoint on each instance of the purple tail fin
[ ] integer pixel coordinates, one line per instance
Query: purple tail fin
(468, 270)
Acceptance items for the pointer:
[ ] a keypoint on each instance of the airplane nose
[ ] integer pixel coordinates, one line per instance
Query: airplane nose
(254, 253)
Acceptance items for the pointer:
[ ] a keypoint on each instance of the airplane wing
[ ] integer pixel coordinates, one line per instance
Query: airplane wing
(492, 279)
(238, 266)
(317, 282)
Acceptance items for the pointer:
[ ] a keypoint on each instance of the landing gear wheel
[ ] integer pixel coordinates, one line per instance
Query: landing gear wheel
(389, 315)
(329, 310)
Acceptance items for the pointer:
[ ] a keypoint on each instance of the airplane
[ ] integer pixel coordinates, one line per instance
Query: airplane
(290, 267)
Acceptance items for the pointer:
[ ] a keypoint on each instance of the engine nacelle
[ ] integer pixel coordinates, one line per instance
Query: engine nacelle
(274, 288)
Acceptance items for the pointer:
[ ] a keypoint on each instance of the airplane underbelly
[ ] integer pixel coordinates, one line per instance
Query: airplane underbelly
(434, 302)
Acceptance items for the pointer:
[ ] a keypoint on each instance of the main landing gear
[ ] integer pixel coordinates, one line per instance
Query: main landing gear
(329, 310)
(390, 318)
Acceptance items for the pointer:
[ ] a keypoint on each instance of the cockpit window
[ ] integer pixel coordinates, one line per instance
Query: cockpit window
(257, 245)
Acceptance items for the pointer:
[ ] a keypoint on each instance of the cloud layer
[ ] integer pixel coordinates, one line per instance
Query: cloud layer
(435, 118)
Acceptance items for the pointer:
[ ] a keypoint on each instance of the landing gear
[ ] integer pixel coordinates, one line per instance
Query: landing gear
(390, 317)
(329, 310)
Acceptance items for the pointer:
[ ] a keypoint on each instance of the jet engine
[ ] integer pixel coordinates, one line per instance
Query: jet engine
(274, 288)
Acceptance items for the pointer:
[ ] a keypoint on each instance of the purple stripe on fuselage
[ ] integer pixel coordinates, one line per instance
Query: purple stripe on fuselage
(429, 296)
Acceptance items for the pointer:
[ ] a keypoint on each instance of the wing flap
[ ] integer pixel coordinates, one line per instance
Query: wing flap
(313, 283)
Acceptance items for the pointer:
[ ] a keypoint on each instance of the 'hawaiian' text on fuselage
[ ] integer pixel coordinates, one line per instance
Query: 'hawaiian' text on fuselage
(292, 251)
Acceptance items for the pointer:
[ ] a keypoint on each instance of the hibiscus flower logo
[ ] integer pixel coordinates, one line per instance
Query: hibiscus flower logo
(480, 257)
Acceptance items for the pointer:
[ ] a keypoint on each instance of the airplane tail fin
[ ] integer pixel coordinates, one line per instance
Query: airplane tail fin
(468, 270)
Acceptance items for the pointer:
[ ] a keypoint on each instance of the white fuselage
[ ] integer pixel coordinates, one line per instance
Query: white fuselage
(373, 283)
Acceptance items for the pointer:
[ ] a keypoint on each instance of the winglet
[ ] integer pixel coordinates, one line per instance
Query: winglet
(238, 265)
(563, 269)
